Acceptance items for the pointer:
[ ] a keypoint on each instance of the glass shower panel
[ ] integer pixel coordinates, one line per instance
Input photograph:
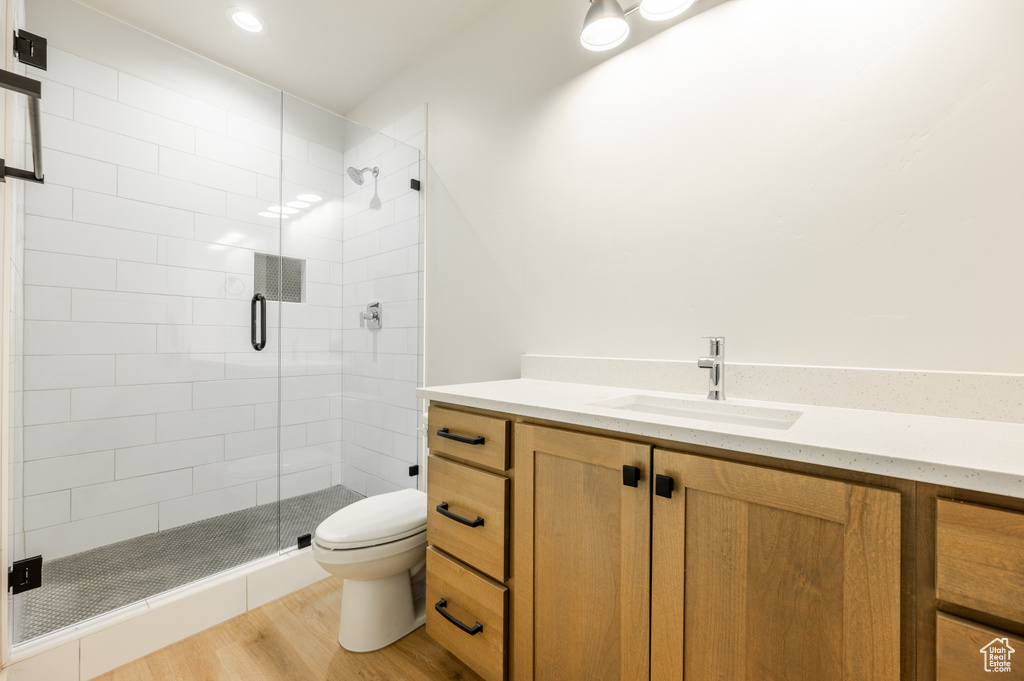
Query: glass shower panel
(349, 422)
(152, 297)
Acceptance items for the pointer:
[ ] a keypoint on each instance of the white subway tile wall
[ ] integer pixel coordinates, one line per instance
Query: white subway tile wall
(382, 261)
(144, 405)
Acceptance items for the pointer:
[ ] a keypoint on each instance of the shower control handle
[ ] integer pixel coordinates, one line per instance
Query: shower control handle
(442, 508)
(372, 317)
(441, 606)
(257, 346)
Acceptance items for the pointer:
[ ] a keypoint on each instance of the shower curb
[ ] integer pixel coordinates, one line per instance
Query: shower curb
(99, 645)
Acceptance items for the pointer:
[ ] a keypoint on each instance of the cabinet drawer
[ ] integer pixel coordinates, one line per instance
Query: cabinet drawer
(477, 440)
(477, 603)
(980, 559)
(967, 651)
(477, 497)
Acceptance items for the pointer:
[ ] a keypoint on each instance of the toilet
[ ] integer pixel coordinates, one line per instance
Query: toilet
(379, 547)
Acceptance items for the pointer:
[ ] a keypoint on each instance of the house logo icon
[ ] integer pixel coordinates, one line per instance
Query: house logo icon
(997, 655)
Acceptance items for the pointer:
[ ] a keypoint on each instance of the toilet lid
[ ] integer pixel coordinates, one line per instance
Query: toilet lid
(376, 520)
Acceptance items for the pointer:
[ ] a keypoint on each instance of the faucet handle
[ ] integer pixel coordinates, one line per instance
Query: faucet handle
(717, 345)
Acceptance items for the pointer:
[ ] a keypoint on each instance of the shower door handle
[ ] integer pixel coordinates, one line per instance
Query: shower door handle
(257, 346)
(32, 89)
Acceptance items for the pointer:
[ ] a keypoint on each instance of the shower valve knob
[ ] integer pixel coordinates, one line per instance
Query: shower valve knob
(372, 317)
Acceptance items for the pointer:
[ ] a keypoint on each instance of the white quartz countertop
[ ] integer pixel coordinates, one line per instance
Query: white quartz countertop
(985, 456)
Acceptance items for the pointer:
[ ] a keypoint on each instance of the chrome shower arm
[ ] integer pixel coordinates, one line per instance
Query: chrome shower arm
(33, 90)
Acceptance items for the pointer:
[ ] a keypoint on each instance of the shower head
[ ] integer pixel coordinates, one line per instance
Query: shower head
(357, 173)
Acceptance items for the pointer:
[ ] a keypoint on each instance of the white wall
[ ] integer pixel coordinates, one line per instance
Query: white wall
(823, 182)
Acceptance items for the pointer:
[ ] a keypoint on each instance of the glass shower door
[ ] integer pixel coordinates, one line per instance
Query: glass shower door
(356, 226)
(149, 287)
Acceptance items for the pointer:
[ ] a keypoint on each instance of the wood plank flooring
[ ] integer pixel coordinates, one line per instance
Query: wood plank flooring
(293, 638)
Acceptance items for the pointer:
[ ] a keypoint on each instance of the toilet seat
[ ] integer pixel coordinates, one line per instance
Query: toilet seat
(374, 521)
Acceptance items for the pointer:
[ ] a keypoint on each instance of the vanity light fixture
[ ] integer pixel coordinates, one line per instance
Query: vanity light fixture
(245, 20)
(660, 10)
(605, 26)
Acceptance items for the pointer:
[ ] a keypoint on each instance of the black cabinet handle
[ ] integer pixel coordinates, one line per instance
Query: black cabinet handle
(630, 476)
(472, 631)
(257, 346)
(479, 440)
(442, 508)
(663, 486)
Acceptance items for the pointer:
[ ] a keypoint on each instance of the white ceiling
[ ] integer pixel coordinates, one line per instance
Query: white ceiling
(330, 52)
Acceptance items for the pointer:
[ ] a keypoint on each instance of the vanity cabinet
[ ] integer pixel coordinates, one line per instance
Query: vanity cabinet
(607, 557)
(766, 574)
(582, 556)
(962, 649)
(468, 496)
(980, 558)
(979, 561)
(729, 571)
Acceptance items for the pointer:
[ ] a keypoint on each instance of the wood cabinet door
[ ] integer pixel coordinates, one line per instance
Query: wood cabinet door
(581, 592)
(761, 574)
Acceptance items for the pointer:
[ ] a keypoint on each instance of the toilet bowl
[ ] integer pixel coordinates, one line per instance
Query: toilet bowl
(378, 546)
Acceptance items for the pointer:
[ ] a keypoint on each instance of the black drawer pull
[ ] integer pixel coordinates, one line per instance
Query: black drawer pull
(630, 476)
(472, 631)
(442, 508)
(479, 440)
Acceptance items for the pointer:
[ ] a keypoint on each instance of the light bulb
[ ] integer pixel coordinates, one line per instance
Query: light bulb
(660, 10)
(247, 21)
(604, 27)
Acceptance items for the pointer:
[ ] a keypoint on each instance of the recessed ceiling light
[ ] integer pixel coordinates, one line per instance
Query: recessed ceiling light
(245, 20)
(312, 198)
(276, 209)
(266, 214)
(297, 204)
(289, 211)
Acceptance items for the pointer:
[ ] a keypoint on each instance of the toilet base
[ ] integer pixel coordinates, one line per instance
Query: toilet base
(376, 613)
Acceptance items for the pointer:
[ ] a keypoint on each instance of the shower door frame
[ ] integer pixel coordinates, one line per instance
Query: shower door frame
(8, 12)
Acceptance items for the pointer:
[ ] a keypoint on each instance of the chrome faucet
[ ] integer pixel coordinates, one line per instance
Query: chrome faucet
(716, 363)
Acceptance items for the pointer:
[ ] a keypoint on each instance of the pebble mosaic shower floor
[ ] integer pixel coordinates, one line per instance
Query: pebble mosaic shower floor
(91, 583)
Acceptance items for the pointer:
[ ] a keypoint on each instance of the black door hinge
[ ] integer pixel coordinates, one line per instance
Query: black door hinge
(305, 540)
(30, 49)
(414, 471)
(25, 575)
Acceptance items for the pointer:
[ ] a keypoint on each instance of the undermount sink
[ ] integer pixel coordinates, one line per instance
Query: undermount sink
(704, 410)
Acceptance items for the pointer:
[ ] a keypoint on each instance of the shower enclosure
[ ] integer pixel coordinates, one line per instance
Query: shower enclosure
(192, 385)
